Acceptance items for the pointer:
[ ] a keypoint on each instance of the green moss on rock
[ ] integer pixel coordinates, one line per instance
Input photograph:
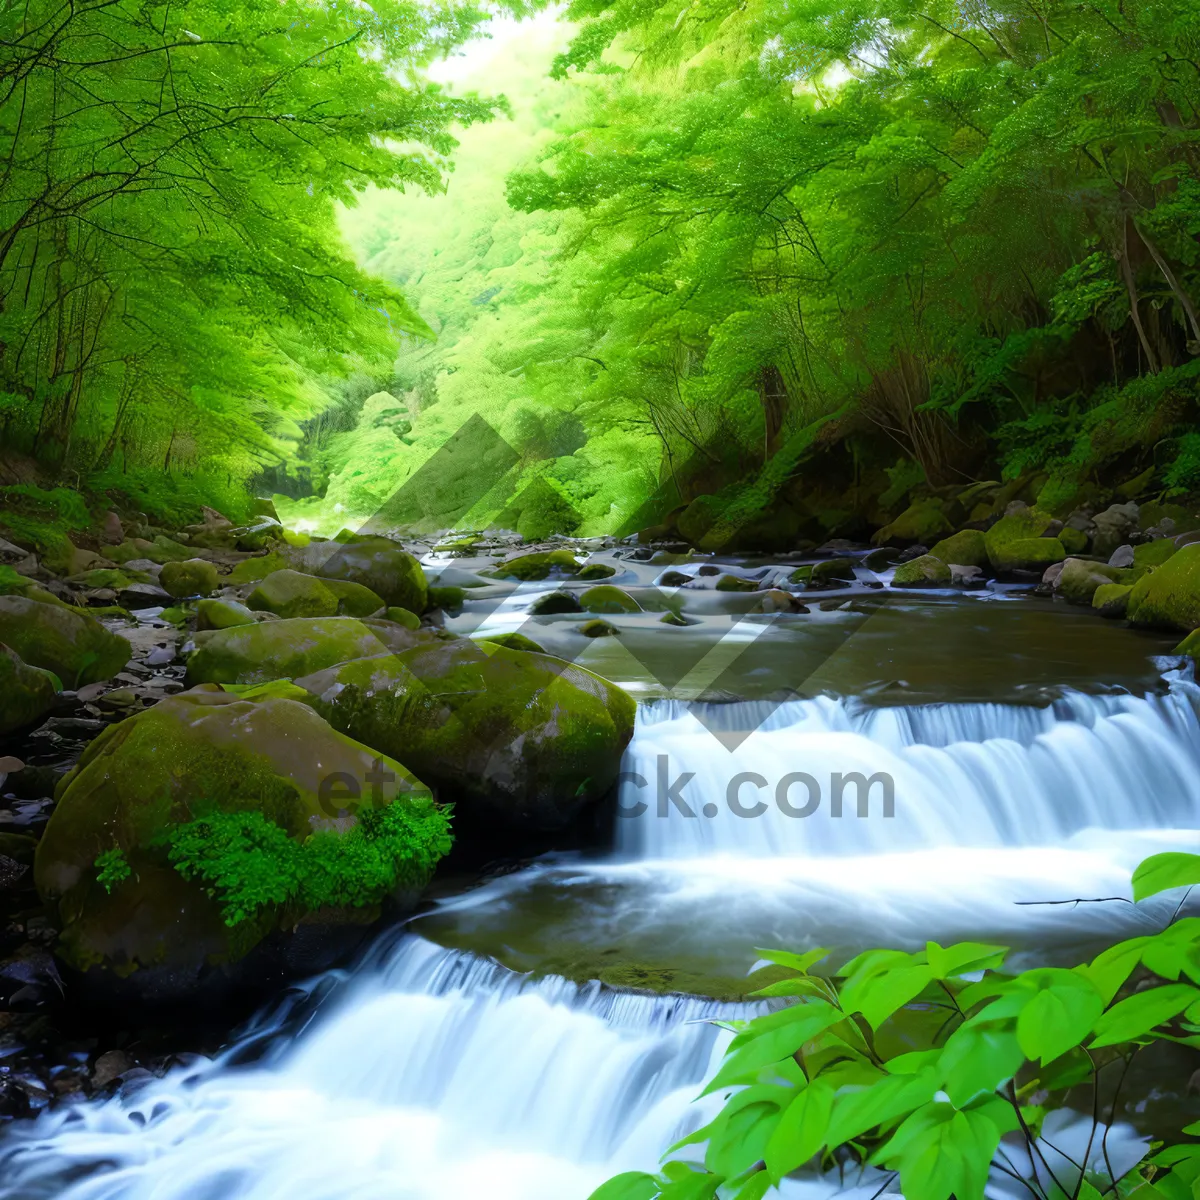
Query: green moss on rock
(735, 583)
(77, 648)
(451, 598)
(1169, 596)
(608, 599)
(194, 577)
(1025, 525)
(532, 567)
(598, 628)
(926, 571)
(1027, 554)
(221, 614)
(967, 548)
(26, 693)
(1074, 541)
(923, 522)
(597, 571)
(251, 570)
(1112, 599)
(1155, 553)
(292, 594)
(1080, 578)
(374, 562)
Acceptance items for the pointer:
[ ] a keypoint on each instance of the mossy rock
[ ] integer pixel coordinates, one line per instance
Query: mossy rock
(251, 570)
(401, 616)
(75, 646)
(554, 604)
(448, 598)
(259, 536)
(516, 739)
(598, 628)
(1112, 599)
(698, 518)
(26, 693)
(194, 758)
(1169, 596)
(833, 570)
(533, 567)
(374, 562)
(608, 599)
(293, 594)
(1080, 578)
(195, 577)
(164, 550)
(512, 641)
(1074, 541)
(923, 522)
(111, 577)
(674, 579)
(1018, 526)
(1025, 554)
(221, 614)
(967, 548)
(673, 618)
(801, 575)
(1155, 553)
(925, 571)
(596, 571)
(735, 583)
(287, 649)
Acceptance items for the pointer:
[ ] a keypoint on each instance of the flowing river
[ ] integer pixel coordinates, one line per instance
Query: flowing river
(510, 1043)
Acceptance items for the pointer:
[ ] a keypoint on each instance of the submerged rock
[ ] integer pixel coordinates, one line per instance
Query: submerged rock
(515, 739)
(75, 646)
(26, 693)
(555, 603)
(608, 599)
(289, 648)
(597, 571)
(832, 571)
(599, 628)
(193, 832)
(735, 583)
(533, 567)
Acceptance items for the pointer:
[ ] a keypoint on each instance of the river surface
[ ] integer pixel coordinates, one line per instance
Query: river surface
(526, 1038)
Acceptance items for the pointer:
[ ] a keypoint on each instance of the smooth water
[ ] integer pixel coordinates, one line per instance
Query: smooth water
(432, 1072)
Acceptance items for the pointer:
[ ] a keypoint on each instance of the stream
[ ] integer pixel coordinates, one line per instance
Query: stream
(529, 1035)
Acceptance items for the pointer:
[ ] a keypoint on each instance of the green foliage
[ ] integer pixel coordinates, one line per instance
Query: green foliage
(112, 868)
(248, 863)
(919, 1063)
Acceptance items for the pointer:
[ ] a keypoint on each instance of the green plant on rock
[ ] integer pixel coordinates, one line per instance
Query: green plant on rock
(919, 1064)
(112, 869)
(248, 863)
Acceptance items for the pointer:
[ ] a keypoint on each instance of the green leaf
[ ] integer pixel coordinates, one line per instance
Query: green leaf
(801, 1130)
(755, 1188)
(797, 962)
(686, 1184)
(739, 1136)
(631, 1185)
(978, 1059)
(1067, 1070)
(798, 985)
(857, 1110)
(878, 997)
(961, 958)
(1137, 1015)
(1175, 951)
(1160, 872)
(1108, 971)
(751, 1050)
(1059, 1015)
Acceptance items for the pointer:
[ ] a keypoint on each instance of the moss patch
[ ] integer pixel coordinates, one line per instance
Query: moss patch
(70, 643)
(1169, 596)
(608, 599)
(967, 548)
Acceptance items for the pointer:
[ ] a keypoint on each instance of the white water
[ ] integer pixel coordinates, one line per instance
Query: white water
(429, 1074)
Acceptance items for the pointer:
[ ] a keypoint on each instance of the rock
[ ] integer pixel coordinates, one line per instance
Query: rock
(1113, 527)
(222, 614)
(516, 739)
(967, 548)
(109, 1067)
(608, 599)
(1079, 579)
(111, 577)
(512, 641)
(596, 571)
(598, 628)
(1153, 553)
(966, 575)
(450, 598)
(673, 618)
(1112, 599)
(114, 532)
(911, 552)
(1122, 556)
(882, 558)
(374, 562)
(735, 583)
(193, 577)
(925, 571)
(260, 507)
(924, 521)
(287, 649)
(251, 570)
(143, 857)
(1021, 525)
(75, 646)
(1074, 541)
(674, 579)
(832, 571)
(293, 594)
(1051, 574)
(143, 595)
(553, 603)
(26, 693)
(1029, 554)
(776, 600)
(259, 536)
(1169, 596)
(401, 616)
(709, 569)
(530, 567)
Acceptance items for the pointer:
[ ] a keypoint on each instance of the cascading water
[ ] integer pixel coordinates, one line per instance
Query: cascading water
(432, 1073)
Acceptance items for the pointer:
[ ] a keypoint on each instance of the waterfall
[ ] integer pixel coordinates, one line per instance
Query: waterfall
(428, 1073)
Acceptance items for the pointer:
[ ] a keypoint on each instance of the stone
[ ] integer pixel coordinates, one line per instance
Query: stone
(1113, 527)
(554, 603)
(1112, 599)
(1074, 541)
(673, 618)
(401, 616)
(925, 571)
(1122, 556)
(674, 579)
(193, 577)
(451, 598)
(833, 571)
(514, 739)
(596, 571)
(735, 583)
(1153, 553)
(1168, 597)
(966, 575)
(26, 693)
(532, 567)
(377, 563)
(967, 548)
(286, 649)
(924, 521)
(776, 600)
(113, 532)
(604, 598)
(598, 628)
(222, 614)
(66, 641)
(1021, 525)
(1078, 580)
(197, 757)
(1029, 554)
(511, 641)
(293, 594)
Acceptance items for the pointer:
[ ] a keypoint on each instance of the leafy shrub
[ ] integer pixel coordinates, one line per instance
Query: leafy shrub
(921, 1063)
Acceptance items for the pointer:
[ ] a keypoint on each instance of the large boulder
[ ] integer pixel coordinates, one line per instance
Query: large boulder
(1009, 541)
(292, 594)
(374, 562)
(290, 648)
(1078, 580)
(1169, 596)
(222, 614)
(75, 646)
(197, 830)
(26, 693)
(1112, 599)
(192, 577)
(925, 571)
(1113, 527)
(514, 739)
(967, 548)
